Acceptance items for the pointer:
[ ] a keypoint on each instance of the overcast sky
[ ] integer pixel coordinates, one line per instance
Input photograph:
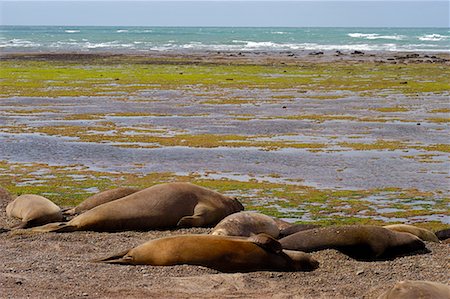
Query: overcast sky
(363, 13)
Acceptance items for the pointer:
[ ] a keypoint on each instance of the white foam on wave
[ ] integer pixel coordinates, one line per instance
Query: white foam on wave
(122, 31)
(279, 32)
(71, 31)
(18, 43)
(433, 37)
(376, 36)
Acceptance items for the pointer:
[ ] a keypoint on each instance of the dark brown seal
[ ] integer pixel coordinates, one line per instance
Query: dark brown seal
(160, 206)
(415, 289)
(443, 234)
(362, 242)
(101, 198)
(223, 253)
(33, 210)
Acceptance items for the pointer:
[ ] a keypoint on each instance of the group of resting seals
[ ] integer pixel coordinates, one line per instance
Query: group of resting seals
(240, 242)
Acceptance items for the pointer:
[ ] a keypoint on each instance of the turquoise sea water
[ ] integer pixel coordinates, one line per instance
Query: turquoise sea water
(142, 39)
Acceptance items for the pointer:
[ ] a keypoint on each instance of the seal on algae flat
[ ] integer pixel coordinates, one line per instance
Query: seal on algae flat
(222, 253)
(362, 242)
(160, 206)
(33, 210)
(246, 224)
(422, 233)
(101, 198)
(415, 289)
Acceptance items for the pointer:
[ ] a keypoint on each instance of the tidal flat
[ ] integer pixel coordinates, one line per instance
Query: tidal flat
(334, 139)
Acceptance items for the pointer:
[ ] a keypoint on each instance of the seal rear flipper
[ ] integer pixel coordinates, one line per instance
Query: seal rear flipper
(119, 258)
(57, 227)
(266, 242)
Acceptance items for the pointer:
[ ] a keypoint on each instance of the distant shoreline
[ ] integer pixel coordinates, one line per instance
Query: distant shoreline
(240, 57)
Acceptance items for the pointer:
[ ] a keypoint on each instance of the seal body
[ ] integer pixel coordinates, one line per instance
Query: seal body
(33, 210)
(101, 198)
(295, 228)
(160, 206)
(423, 234)
(246, 224)
(443, 234)
(415, 289)
(223, 253)
(362, 242)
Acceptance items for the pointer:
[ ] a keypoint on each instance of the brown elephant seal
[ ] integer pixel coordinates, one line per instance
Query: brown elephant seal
(160, 206)
(222, 253)
(101, 198)
(443, 234)
(422, 233)
(361, 242)
(295, 228)
(246, 224)
(415, 289)
(33, 210)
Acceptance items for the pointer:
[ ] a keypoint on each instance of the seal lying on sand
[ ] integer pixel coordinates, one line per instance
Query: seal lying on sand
(423, 234)
(160, 206)
(415, 289)
(246, 224)
(295, 228)
(223, 253)
(362, 242)
(33, 210)
(443, 234)
(101, 198)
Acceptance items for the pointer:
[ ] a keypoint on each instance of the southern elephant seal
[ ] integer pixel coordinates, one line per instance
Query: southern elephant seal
(33, 210)
(223, 253)
(246, 224)
(415, 289)
(423, 234)
(101, 198)
(443, 234)
(160, 206)
(295, 228)
(361, 242)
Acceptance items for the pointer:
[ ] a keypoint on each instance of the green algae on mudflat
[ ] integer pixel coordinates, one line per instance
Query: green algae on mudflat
(54, 78)
(69, 185)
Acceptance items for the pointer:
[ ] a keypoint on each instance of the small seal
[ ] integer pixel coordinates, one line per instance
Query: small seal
(33, 210)
(415, 289)
(246, 224)
(422, 233)
(161, 206)
(361, 242)
(222, 253)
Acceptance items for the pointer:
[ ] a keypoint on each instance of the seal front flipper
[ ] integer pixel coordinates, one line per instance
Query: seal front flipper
(119, 258)
(57, 227)
(198, 219)
(190, 221)
(266, 242)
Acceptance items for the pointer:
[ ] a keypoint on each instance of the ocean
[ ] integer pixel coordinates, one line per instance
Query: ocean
(145, 39)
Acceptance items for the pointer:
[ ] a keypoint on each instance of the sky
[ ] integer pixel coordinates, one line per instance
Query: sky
(362, 13)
